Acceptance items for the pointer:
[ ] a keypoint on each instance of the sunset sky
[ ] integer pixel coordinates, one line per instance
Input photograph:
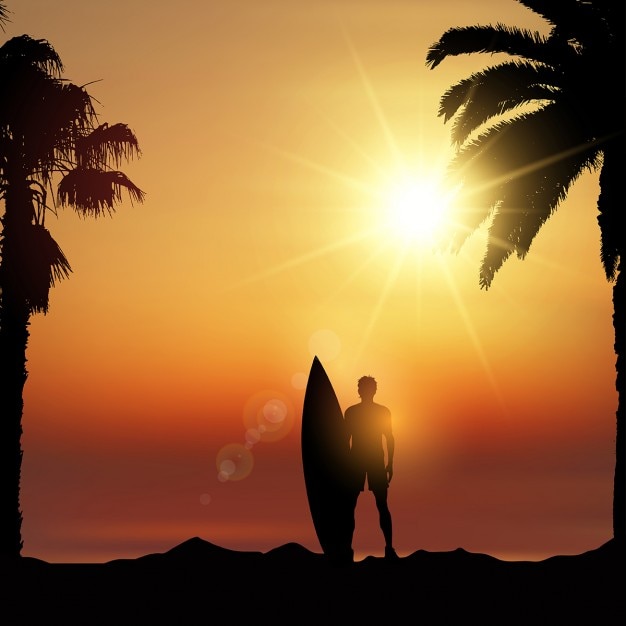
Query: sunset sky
(166, 382)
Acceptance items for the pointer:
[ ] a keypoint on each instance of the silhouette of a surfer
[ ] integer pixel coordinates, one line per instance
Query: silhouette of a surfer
(367, 425)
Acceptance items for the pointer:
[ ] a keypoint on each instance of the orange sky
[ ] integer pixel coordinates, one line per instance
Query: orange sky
(268, 129)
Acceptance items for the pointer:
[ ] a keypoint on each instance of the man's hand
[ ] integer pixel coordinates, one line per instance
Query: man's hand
(389, 469)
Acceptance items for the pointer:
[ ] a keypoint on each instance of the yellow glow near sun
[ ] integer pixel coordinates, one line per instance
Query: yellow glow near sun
(415, 209)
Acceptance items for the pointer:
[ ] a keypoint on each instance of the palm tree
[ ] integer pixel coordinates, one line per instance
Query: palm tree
(4, 15)
(526, 128)
(49, 136)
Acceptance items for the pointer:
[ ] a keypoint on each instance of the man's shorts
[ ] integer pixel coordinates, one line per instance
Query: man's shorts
(376, 478)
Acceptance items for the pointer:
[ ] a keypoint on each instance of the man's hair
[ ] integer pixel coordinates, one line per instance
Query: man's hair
(367, 382)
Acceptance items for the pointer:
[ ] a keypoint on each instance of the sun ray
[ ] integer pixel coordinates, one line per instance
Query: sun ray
(301, 259)
(371, 94)
(375, 314)
(375, 254)
(354, 144)
(350, 181)
(474, 338)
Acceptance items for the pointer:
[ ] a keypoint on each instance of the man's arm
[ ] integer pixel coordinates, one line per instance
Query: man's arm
(391, 445)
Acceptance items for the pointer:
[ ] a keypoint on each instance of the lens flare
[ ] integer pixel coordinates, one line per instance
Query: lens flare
(268, 414)
(234, 462)
(299, 380)
(325, 344)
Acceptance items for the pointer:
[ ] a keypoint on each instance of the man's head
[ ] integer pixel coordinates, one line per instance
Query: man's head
(367, 387)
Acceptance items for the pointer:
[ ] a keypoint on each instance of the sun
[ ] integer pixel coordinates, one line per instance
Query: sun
(415, 209)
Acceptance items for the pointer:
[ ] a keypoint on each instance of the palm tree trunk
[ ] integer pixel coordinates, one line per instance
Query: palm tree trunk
(14, 322)
(619, 487)
(13, 340)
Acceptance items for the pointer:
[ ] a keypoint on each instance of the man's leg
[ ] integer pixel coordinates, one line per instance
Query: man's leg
(384, 516)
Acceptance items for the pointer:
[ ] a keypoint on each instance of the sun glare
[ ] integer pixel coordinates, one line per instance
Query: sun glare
(415, 210)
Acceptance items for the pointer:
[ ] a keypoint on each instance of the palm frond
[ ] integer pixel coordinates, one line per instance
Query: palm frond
(4, 15)
(107, 145)
(610, 201)
(71, 114)
(42, 265)
(41, 120)
(484, 39)
(23, 83)
(492, 158)
(27, 51)
(496, 82)
(503, 232)
(480, 186)
(578, 22)
(94, 192)
(494, 92)
(525, 208)
(514, 225)
(527, 143)
(556, 180)
(476, 115)
(518, 161)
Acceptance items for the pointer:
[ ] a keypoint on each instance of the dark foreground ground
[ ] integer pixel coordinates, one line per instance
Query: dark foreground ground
(201, 583)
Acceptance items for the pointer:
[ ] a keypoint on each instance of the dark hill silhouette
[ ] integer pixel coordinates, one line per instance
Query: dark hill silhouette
(194, 550)
(198, 582)
(290, 552)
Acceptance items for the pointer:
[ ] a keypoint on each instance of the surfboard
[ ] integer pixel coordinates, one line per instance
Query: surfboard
(325, 450)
